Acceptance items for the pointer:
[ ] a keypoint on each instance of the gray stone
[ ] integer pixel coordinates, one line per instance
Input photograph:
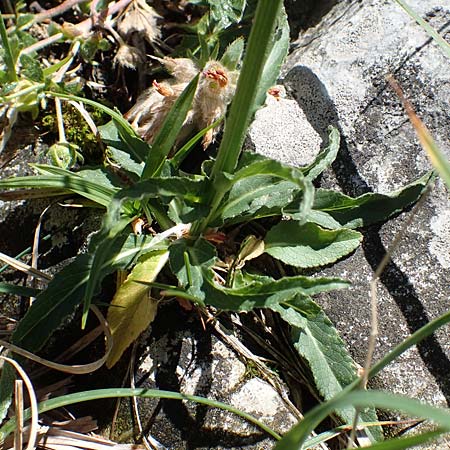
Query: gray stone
(181, 356)
(337, 76)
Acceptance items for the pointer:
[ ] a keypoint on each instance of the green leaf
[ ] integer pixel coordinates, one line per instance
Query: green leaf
(137, 148)
(59, 300)
(98, 394)
(132, 309)
(66, 291)
(255, 291)
(103, 244)
(254, 67)
(255, 191)
(232, 56)
(309, 245)
(187, 259)
(226, 12)
(121, 151)
(325, 158)
(8, 377)
(256, 197)
(318, 342)
(8, 57)
(31, 68)
(24, 291)
(167, 135)
(368, 208)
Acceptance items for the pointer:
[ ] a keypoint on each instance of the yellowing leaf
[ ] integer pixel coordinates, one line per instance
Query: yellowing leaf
(132, 310)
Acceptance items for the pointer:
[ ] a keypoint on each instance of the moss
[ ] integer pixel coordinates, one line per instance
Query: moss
(77, 131)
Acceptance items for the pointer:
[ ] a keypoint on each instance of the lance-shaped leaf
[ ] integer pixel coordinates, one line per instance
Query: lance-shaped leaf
(364, 210)
(132, 309)
(309, 245)
(318, 342)
(187, 259)
(66, 290)
(262, 188)
(254, 291)
(118, 150)
(233, 54)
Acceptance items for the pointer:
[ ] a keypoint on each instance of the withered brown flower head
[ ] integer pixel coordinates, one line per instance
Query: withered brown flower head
(214, 92)
(140, 18)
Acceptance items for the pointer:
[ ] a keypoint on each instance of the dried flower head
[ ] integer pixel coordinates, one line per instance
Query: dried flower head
(140, 18)
(214, 92)
(128, 56)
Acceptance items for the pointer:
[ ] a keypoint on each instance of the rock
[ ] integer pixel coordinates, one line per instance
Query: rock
(337, 76)
(181, 356)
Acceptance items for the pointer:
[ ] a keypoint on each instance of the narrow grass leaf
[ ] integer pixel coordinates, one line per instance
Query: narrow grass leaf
(317, 341)
(85, 396)
(407, 442)
(8, 55)
(445, 46)
(309, 245)
(167, 135)
(184, 151)
(296, 438)
(56, 178)
(132, 309)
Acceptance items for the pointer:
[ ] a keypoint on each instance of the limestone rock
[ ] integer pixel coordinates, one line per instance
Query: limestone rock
(337, 76)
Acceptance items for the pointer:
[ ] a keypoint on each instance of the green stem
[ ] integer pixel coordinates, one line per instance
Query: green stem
(70, 399)
(241, 109)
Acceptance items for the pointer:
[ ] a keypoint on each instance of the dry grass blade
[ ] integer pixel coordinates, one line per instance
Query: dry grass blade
(35, 250)
(18, 410)
(33, 430)
(437, 158)
(19, 265)
(374, 304)
(51, 438)
(72, 369)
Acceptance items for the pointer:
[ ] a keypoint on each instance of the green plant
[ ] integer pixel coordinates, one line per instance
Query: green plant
(195, 213)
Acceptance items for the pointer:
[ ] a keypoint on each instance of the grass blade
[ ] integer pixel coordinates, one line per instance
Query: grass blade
(70, 399)
(386, 400)
(427, 27)
(166, 137)
(8, 56)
